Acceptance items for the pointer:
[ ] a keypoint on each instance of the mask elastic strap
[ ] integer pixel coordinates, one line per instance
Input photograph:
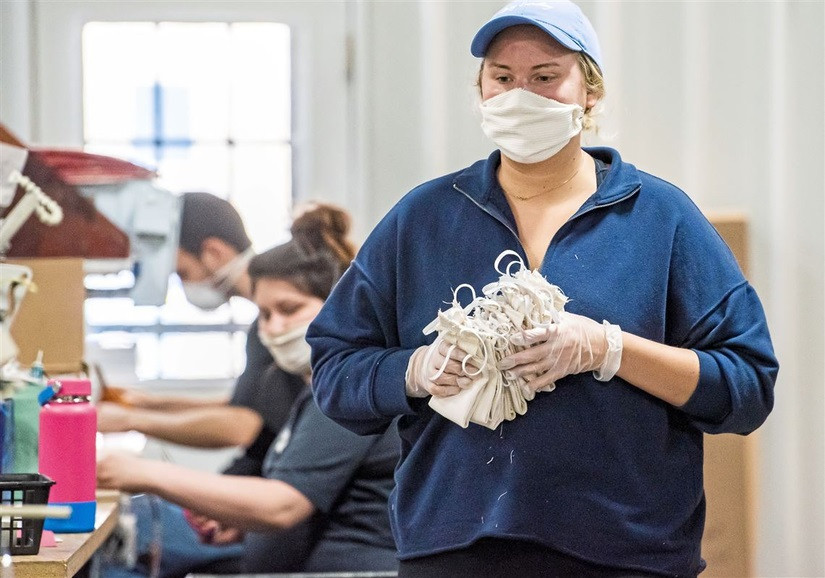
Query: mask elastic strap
(443, 367)
(457, 303)
(502, 255)
(468, 357)
(226, 277)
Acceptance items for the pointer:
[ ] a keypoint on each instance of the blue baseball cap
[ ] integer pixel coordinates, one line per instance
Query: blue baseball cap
(561, 19)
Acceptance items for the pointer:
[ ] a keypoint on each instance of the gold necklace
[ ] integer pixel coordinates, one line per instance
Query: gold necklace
(553, 188)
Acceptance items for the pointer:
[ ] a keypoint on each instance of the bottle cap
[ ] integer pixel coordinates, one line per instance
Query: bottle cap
(72, 386)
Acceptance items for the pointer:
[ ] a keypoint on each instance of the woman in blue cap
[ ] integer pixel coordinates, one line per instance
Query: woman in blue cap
(662, 338)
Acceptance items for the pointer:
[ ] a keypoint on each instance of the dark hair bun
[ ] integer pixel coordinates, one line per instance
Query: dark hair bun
(324, 227)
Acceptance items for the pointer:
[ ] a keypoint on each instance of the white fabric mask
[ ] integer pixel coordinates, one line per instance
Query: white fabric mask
(290, 350)
(216, 290)
(203, 295)
(527, 127)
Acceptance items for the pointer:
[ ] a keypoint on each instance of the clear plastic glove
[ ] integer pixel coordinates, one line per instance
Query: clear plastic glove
(575, 344)
(438, 369)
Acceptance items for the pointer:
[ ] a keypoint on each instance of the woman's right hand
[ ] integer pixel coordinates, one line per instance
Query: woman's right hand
(211, 531)
(129, 397)
(113, 417)
(425, 375)
(117, 470)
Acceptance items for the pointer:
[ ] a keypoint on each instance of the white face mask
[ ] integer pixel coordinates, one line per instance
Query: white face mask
(290, 350)
(527, 127)
(216, 290)
(204, 295)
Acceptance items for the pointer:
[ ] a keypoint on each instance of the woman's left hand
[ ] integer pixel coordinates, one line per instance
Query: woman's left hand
(438, 370)
(574, 345)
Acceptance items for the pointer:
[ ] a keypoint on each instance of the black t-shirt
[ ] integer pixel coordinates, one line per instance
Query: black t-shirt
(268, 390)
(258, 360)
(348, 478)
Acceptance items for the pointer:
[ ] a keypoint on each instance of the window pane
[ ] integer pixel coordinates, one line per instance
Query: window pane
(193, 75)
(118, 311)
(119, 70)
(200, 167)
(260, 104)
(261, 185)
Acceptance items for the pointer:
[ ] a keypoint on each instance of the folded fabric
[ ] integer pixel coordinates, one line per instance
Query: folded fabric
(521, 299)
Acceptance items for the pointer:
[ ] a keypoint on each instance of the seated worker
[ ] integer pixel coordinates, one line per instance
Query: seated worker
(321, 502)
(213, 254)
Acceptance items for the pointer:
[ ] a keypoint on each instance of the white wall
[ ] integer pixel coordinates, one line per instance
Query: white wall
(724, 99)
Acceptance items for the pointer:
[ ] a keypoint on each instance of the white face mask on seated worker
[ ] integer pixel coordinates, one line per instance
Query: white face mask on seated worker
(216, 289)
(527, 127)
(290, 349)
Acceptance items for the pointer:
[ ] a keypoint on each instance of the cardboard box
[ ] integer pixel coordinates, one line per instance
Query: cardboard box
(51, 317)
(729, 542)
(733, 227)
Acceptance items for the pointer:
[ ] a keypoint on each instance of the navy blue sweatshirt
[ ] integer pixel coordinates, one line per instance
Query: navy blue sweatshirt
(601, 471)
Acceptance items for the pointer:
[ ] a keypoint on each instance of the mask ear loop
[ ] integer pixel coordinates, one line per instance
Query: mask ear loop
(502, 255)
(470, 310)
(513, 293)
(457, 303)
(468, 357)
(538, 300)
(450, 318)
(492, 313)
(441, 317)
(443, 367)
(226, 277)
(499, 321)
(506, 294)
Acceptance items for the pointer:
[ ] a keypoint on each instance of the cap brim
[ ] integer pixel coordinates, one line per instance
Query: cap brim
(485, 35)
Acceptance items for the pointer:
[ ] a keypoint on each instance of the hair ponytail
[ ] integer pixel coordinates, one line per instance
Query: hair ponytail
(318, 254)
(323, 227)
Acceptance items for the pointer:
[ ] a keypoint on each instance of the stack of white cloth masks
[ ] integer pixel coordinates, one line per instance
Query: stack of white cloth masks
(521, 299)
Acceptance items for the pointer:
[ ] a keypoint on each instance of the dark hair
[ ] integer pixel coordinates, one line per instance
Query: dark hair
(204, 215)
(315, 257)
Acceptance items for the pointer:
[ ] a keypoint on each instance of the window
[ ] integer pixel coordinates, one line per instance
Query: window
(208, 106)
(205, 104)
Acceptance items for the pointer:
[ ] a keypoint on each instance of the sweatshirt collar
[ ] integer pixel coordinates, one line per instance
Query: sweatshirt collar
(479, 180)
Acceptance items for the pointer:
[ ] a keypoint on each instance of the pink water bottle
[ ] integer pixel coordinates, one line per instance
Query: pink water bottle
(66, 451)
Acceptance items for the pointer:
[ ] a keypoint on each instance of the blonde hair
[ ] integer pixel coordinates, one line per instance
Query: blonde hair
(594, 84)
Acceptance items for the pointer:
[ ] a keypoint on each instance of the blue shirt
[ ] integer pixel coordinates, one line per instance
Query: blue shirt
(601, 471)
